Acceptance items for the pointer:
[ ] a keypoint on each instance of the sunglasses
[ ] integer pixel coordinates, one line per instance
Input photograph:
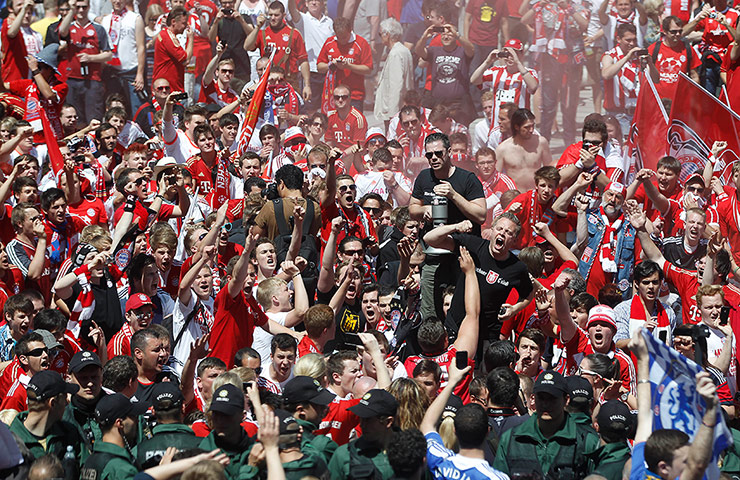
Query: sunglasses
(341, 97)
(140, 181)
(163, 89)
(37, 217)
(227, 71)
(677, 31)
(345, 188)
(372, 210)
(583, 371)
(37, 352)
(144, 314)
(376, 141)
(408, 123)
(317, 124)
(437, 153)
(354, 252)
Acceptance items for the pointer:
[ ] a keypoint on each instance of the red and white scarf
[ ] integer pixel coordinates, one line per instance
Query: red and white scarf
(327, 94)
(609, 242)
(220, 192)
(550, 28)
(85, 303)
(114, 33)
(638, 311)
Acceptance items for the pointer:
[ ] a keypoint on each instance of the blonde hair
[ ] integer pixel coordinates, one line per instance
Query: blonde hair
(205, 470)
(311, 365)
(652, 7)
(267, 288)
(447, 431)
(412, 402)
(153, 10)
(245, 373)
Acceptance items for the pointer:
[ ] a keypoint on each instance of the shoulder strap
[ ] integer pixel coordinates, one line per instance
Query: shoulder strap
(308, 219)
(282, 224)
(656, 50)
(189, 318)
(689, 56)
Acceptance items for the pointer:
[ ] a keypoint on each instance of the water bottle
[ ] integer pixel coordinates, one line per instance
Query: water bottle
(69, 463)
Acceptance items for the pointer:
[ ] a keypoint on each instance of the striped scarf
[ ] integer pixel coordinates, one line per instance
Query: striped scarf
(550, 28)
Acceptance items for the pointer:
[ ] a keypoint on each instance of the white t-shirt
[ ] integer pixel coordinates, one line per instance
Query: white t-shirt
(267, 373)
(201, 324)
(261, 339)
(315, 32)
(373, 182)
(181, 148)
(123, 41)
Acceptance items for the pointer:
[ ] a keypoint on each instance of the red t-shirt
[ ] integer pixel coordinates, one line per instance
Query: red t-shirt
(90, 209)
(211, 93)
(10, 375)
(141, 214)
(201, 428)
(70, 346)
(169, 60)
(202, 175)
(345, 132)
(533, 212)
(716, 37)
(729, 221)
(281, 40)
(580, 346)
(170, 282)
(339, 421)
(52, 108)
(485, 22)
(92, 39)
(7, 231)
(444, 360)
(670, 62)
(234, 324)
(11, 283)
(17, 398)
(357, 52)
(647, 205)
(14, 51)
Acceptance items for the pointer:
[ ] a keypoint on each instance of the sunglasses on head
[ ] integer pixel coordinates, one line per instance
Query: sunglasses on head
(437, 153)
(37, 352)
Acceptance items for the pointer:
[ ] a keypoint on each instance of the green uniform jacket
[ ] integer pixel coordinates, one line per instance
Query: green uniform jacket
(309, 465)
(731, 462)
(109, 462)
(165, 435)
(320, 445)
(89, 429)
(340, 461)
(571, 447)
(239, 468)
(59, 437)
(610, 459)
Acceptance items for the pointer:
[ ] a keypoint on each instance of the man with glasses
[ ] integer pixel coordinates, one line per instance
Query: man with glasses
(216, 80)
(161, 89)
(340, 202)
(414, 131)
(27, 250)
(139, 310)
(671, 56)
(33, 357)
(347, 124)
(87, 50)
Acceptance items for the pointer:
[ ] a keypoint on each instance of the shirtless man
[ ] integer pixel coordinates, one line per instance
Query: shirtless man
(524, 153)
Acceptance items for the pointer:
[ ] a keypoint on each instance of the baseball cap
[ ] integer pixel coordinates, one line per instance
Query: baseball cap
(48, 383)
(228, 400)
(112, 407)
(374, 132)
(615, 418)
(288, 424)
(617, 187)
(82, 359)
(579, 390)
(551, 382)
(514, 43)
(306, 389)
(294, 133)
(50, 341)
(137, 300)
(453, 405)
(375, 403)
(602, 313)
(696, 176)
(166, 395)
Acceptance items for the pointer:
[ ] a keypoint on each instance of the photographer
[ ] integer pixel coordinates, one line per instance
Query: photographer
(232, 28)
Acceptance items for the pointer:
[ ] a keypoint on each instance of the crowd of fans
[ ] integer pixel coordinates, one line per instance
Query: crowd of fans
(434, 294)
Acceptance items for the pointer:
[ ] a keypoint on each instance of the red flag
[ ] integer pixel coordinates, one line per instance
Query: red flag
(252, 114)
(698, 119)
(55, 155)
(647, 141)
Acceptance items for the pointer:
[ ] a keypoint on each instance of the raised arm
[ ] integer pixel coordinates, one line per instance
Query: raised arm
(213, 64)
(644, 401)
(297, 235)
(300, 297)
(440, 237)
(420, 49)
(700, 453)
(603, 16)
(184, 294)
(370, 343)
(250, 43)
(467, 337)
(543, 230)
(329, 257)
(66, 21)
(562, 203)
(638, 219)
(568, 327)
(15, 26)
(477, 77)
(241, 269)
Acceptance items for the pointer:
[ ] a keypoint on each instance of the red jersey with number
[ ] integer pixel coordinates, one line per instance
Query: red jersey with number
(290, 50)
(234, 324)
(339, 421)
(169, 60)
(14, 52)
(212, 93)
(345, 132)
(444, 360)
(356, 52)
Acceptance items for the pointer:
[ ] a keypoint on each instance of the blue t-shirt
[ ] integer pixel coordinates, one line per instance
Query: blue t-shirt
(446, 464)
(639, 469)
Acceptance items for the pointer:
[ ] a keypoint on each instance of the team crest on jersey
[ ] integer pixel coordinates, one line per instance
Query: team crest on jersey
(286, 37)
(59, 363)
(587, 254)
(175, 281)
(491, 277)
(90, 31)
(90, 212)
(352, 51)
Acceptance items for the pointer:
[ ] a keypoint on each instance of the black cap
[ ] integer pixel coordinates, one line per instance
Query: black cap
(579, 390)
(228, 400)
(47, 384)
(306, 389)
(375, 403)
(551, 382)
(112, 407)
(454, 404)
(288, 424)
(615, 419)
(166, 395)
(83, 359)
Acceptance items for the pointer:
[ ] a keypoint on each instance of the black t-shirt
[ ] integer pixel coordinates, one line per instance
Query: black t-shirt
(231, 32)
(462, 181)
(349, 320)
(674, 252)
(450, 72)
(496, 279)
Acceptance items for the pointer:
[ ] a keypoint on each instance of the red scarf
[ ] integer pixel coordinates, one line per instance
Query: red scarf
(220, 192)
(327, 98)
(550, 27)
(114, 33)
(638, 311)
(284, 96)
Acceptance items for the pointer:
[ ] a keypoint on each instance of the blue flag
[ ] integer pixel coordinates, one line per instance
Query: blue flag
(676, 403)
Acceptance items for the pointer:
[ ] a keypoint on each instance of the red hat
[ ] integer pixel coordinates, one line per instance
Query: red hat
(514, 43)
(137, 300)
(604, 314)
(617, 187)
(696, 176)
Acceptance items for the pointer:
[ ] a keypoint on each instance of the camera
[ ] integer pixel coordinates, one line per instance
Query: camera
(155, 146)
(270, 192)
(712, 15)
(438, 29)
(503, 54)
(641, 52)
(228, 11)
(179, 97)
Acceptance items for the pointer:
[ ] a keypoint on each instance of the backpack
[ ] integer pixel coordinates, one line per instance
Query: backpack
(309, 249)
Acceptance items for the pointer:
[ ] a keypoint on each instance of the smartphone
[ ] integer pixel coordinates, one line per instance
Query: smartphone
(352, 339)
(724, 315)
(179, 97)
(438, 29)
(461, 359)
(663, 336)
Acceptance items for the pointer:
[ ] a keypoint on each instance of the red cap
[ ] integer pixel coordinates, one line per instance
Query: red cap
(617, 187)
(695, 176)
(514, 43)
(137, 300)
(604, 314)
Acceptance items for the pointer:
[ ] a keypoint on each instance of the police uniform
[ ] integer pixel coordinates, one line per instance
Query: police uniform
(164, 436)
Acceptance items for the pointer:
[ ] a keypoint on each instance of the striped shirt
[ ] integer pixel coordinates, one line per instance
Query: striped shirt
(507, 87)
(446, 464)
(120, 344)
(620, 91)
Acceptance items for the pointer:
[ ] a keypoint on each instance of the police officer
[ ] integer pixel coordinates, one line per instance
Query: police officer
(119, 419)
(616, 425)
(308, 402)
(550, 443)
(86, 371)
(297, 462)
(366, 457)
(227, 413)
(170, 431)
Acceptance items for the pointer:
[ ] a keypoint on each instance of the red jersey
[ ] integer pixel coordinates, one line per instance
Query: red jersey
(90, 38)
(17, 398)
(647, 205)
(169, 60)
(170, 280)
(11, 283)
(359, 223)
(234, 324)
(120, 344)
(729, 221)
(306, 346)
(345, 132)
(141, 214)
(212, 93)
(533, 212)
(10, 375)
(339, 421)
(202, 429)
(580, 346)
(444, 360)
(733, 80)
(70, 346)
(670, 62)
(21, 255)
(203, 176)
(14, 52)
(507, 87)
(572, 154)
(52, 107)
(356, 52)
(289, 47)
(7, 231)
(716, 37)
(90, 209)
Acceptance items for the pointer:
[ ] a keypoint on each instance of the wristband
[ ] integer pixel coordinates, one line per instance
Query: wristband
(594, 168)
(130, 204)
(35, 72)
(644, 380)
